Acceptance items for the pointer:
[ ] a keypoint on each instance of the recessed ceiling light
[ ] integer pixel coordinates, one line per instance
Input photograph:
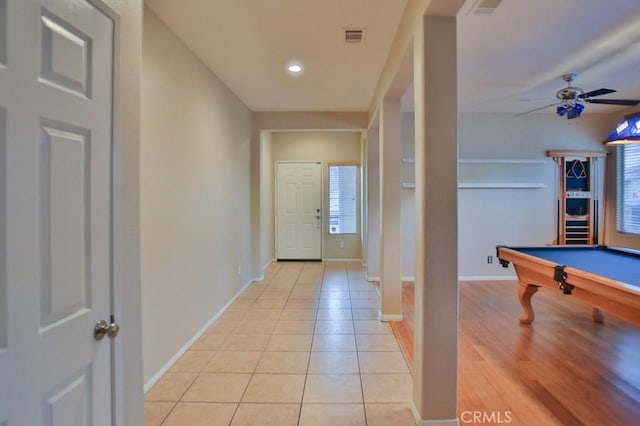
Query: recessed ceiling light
(295, 68)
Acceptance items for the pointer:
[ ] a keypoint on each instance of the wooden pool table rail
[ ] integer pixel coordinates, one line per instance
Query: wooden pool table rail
(616, 298)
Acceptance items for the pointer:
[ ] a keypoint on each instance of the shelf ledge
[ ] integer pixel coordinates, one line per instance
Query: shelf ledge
(500, 161)
(501, 185)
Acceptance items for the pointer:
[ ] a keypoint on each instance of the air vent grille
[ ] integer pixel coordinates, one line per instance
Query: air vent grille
(485, 7)
(354, 35)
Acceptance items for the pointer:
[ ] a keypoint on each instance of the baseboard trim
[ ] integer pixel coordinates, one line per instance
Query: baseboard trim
(264, 268)
(269, 262)
(390, 317)
(370, 279)
(487, 278)
(468, 278)
(420, 422)
(341, 260)
(167, 366)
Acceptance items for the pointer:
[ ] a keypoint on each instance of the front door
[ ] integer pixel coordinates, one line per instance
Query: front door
(299, 211)
(56, 138)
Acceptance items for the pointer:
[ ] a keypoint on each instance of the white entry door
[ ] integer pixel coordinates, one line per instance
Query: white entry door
(299, 211)
(56, 90)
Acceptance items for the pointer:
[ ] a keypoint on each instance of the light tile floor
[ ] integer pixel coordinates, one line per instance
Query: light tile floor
(302, 347)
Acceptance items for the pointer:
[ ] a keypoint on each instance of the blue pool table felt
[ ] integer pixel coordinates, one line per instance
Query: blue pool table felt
(607, 262)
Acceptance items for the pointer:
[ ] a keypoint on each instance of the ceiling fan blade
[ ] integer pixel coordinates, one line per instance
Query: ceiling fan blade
(536, 109)
(628, 102)
(598, 92)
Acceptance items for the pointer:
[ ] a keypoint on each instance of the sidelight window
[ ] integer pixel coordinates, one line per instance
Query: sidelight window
(342, 199)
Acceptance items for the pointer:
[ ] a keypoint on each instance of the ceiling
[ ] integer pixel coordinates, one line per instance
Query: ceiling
(509, 61)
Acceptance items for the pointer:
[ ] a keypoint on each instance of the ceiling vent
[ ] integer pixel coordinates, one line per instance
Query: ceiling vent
(485, 7)
(354, 35)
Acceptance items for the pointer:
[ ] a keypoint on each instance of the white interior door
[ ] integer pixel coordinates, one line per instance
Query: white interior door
(299, 211)
(56, 81)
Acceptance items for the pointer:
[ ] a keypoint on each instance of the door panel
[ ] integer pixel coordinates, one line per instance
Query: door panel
(56, 143)
(69, 405)
(65, 195)
(298, 211)
(65, 56)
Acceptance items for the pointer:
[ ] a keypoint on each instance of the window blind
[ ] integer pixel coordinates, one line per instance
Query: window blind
(342, 199)
(628, 189)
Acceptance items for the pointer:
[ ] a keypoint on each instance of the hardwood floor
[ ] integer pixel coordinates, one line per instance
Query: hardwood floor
(563, 369)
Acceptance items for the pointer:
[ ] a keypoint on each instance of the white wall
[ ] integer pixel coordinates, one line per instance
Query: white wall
(267, 199)
(363, 190)
(408, 199)
(195, 195)
(373, 203)
(490, 217)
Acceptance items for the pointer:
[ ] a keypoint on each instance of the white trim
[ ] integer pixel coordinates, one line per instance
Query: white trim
(408, 160)
(501, 185)
(342, 260)
(116, 305)
(500, 161)
(264, 268)
(420, 422)
(487, 278)
(371, 279)
(414, 412)
(409, 279)
(154, 379)
(408, 185)
(390, 317)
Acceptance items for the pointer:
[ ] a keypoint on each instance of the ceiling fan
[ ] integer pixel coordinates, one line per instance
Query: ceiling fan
(572, 99)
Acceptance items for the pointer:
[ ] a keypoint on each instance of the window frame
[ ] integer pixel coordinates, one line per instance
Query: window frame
(356, 197)
(628, 222)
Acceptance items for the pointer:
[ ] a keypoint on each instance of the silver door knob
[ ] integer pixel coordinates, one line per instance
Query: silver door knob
(103, 328)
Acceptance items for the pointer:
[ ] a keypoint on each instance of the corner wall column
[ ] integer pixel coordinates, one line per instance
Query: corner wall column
(390, 212)
(436, 287)
(373, 205)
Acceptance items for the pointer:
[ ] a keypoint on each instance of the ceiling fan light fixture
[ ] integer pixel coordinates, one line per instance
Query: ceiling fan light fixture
(561, 110)
(627, 131)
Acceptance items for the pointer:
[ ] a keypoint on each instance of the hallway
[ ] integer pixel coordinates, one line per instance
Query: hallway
(301, 347)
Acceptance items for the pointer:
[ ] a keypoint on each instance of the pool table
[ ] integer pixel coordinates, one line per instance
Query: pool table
(606, 278)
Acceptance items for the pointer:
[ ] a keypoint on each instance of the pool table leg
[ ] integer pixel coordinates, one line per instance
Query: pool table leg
(525, 293)
(597, 316)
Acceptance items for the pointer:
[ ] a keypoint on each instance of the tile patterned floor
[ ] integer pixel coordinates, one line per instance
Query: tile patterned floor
(302, 347)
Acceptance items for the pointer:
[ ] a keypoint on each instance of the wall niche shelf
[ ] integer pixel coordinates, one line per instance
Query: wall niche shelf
(408, 160)
(496, 173)
(503, 173)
